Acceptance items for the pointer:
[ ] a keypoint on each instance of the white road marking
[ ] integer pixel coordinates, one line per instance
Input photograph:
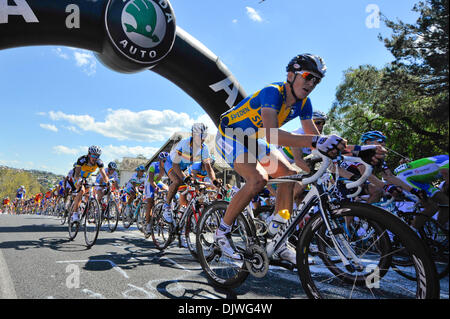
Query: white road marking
(7, 290)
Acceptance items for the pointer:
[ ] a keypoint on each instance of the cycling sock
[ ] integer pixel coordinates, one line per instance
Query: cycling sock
(223, 228)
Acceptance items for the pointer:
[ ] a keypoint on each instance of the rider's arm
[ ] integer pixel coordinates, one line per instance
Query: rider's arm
(209, 170)
(151, 179)
(309, 127)
(297, 152)
(104, 176)
(77, 173)
(392, 179)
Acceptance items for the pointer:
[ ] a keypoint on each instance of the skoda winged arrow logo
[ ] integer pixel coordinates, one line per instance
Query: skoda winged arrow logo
(142, 30)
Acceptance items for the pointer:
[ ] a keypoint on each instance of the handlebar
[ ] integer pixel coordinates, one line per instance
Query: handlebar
(356, 184)
(300, 177)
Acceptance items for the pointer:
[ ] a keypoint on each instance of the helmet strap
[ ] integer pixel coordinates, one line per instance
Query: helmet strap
(291, 84)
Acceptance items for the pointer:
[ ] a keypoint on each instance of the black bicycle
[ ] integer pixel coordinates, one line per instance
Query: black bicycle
(90, 219)
(330, 254)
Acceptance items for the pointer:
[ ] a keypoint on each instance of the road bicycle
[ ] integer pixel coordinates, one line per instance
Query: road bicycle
(434, 235)
(110, 210)
(134, 213)
(184, 221)
(327, 257)
(90, 218)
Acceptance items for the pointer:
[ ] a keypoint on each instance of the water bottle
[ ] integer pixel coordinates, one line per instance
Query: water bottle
(278, 220)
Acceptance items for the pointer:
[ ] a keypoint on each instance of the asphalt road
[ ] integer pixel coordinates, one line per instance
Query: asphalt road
(37, 261)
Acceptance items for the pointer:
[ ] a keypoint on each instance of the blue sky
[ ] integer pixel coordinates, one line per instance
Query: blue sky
(55, 101)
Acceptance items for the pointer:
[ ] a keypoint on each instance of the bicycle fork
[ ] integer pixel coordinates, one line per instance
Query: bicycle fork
(334, 232)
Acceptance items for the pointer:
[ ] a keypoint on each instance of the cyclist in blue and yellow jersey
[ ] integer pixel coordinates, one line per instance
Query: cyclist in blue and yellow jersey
(84, 167)
(240, 141)
(186, 152)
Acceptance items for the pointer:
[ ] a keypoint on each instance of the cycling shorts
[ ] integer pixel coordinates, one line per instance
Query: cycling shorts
(230, 148)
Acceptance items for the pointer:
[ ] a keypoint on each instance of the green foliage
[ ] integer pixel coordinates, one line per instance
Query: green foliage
(11, 179)
(407, 99)
(34, 181)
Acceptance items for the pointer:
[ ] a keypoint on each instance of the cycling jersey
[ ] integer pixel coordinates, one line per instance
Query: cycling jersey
(21, 193)
(112, 177)
(184, 150)
(38, 198)
(155, 169)
(422, 172)
(86, 168)
(287, 151)
(135, 179)
(245, 121)
(197, 166)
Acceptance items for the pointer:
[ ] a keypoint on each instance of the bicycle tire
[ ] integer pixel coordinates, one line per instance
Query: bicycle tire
(436, 238)
(63, 217)
(427, 287)
(162, 232)
(140, 218)
(191, 232)
(73, 227)
(91, 222)
(127, 220)
(112, 219)
(209, 254)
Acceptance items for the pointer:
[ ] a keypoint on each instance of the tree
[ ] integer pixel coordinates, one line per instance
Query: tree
(11, 179)
(408, 98)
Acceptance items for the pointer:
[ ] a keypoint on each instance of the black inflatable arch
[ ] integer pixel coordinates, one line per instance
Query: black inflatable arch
(127, 36)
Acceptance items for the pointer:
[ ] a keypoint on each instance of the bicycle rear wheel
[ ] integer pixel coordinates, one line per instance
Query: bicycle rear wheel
(140, 218)
(192, 220)
(91, 222)
(368, 274)
(72, 226)
(222, 271)
(127, 218)
(112, 216)
(161, 231)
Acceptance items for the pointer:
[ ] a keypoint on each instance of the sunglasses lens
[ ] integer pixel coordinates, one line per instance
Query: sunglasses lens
(319, 123)
(308, 77)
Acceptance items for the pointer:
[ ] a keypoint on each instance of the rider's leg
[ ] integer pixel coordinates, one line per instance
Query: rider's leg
(177, 181)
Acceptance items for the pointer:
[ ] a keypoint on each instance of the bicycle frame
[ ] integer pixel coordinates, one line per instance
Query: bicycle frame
(317, 196)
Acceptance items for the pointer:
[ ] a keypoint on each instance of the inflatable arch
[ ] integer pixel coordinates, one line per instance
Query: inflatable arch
(127, 36)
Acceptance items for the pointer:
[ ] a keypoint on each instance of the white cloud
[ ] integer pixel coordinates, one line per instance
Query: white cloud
(64, 150)
(234, 21)
(109, 152)
(49, 127)
(253, 14)
(112, 152)
(59, 52)
(84, 59)
(143, 126)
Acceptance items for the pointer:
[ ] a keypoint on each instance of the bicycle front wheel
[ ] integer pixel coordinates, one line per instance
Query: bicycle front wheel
(363, 231)
(91, 222)
(221, 270)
